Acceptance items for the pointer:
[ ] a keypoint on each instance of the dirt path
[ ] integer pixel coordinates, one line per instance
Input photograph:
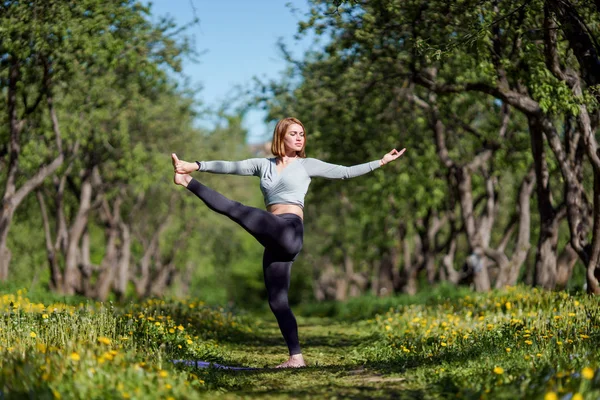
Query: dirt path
(337, 367)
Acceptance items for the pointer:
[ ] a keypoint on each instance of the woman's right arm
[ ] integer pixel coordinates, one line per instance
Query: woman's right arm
(248, 167)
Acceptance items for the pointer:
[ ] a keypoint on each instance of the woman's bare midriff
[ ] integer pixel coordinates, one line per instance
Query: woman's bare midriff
(286, 209)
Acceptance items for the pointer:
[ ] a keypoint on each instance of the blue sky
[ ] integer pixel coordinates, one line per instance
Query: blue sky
(237, 40)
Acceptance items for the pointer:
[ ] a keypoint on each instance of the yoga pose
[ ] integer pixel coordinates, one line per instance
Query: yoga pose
(284, 181)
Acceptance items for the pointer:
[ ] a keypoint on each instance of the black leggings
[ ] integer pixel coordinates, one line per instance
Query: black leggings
(281, 235)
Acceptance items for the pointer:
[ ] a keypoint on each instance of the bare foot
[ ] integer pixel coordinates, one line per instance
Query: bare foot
(182, 179)
(179, 179)
(295, 361)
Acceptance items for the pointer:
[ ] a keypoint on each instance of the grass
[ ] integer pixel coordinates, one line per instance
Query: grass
(516, 343)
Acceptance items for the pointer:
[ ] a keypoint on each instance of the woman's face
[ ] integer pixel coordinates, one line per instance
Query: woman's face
(294, 138)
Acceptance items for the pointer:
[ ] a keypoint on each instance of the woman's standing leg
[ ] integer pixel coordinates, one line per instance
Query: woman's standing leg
(277, 275)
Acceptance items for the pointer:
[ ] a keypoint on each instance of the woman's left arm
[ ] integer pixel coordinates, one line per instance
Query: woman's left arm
(322, 169)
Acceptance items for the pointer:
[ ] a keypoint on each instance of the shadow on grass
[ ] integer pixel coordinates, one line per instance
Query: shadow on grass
(275, 339)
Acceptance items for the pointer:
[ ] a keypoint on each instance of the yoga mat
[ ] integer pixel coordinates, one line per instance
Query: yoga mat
(205, 364)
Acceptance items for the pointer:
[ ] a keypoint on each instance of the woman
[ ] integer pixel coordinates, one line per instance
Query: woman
(284, 181)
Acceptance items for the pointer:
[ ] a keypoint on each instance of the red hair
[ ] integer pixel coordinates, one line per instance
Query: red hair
(277, 145)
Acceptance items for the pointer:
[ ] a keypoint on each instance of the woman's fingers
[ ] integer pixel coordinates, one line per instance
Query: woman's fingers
(178, 165)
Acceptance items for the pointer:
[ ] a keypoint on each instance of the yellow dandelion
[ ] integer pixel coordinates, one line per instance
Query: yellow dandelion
(75, 357)
(551, 396)
(180, 327)
(167, 386)
(189, 341)
(45, 316)
(529, 342)
(508, 305)
(508, 349)
(498, 370)
(443, 344)
(587, 373)
(32, 334)
(163, 374)
(171, 330)
(104, 340)
(577, 396)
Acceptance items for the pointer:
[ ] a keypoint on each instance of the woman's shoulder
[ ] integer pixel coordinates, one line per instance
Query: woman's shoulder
(261, 160)
(311, 161)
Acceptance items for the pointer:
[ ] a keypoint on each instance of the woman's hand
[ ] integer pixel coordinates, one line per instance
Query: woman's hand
(183, 167)
(391, 156)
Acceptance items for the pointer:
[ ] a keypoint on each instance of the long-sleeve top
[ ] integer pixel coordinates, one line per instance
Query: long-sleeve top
(291, 184)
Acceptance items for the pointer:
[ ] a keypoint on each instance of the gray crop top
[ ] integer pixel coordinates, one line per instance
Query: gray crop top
(291, 184)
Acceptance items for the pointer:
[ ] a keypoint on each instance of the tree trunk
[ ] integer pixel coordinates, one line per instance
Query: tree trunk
(546, 257)
(386, 283)
(564, 266)
(122, 275)
(6, 217)
(593, 267)
(162, 279)
(51, 251)
(72, 275)
(108, 267)
(450, 274)
(85, 266)
(375, 275)
(411, 269)
(509, 268)
(428, 230)
(476, 264)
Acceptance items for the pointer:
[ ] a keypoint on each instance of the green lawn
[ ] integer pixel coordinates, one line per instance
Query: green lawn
(517, 343)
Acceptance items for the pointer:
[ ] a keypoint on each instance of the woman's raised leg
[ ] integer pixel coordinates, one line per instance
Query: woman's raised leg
(270, 230)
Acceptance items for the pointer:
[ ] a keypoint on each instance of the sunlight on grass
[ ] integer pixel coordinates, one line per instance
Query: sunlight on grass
(517, 343)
